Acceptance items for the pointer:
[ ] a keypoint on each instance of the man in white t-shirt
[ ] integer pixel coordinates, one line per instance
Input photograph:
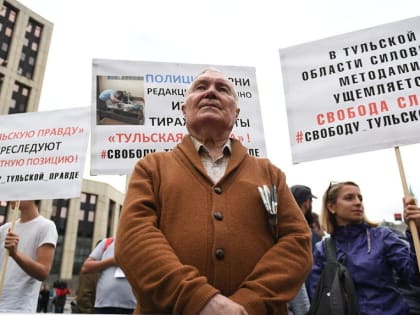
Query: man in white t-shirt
(31, 247)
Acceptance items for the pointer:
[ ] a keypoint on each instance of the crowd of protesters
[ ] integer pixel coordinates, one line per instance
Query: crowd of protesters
(208, 229)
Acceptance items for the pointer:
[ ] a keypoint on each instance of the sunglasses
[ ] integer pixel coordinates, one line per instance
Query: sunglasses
(330, 186)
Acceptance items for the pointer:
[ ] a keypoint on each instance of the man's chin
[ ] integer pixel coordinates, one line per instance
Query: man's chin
(210, 122)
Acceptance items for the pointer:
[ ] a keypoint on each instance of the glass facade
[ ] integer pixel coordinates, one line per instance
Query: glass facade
(84, 217)
(87, 211)
(23, 38)
(1, 81)
(59, 217)
(30, 49)
(3, 212)
(20, 98)
(111, 210)
(8, 15)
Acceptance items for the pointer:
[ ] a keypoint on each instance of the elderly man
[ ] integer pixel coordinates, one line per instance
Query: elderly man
(194, 237)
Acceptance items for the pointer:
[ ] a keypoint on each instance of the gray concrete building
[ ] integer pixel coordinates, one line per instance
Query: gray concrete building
(24, 43)
(81, 222)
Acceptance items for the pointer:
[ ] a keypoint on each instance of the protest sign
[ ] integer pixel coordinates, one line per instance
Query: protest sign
(355, 92)
(42, 154)
(136, 110)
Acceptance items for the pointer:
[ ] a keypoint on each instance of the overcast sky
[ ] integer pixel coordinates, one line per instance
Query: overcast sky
(226, 32)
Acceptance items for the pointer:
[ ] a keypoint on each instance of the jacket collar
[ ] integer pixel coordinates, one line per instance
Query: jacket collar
(188, 151)
(350, 230)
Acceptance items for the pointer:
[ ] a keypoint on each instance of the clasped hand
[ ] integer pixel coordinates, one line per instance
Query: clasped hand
(11, 243)
(411, 211)
(221, 305)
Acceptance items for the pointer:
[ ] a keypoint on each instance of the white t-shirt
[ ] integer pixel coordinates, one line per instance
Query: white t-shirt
(20, 291)
(113, 289)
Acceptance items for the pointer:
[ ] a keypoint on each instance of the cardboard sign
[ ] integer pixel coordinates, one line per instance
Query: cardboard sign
(42, 154)
(355, 92)
(144, 115)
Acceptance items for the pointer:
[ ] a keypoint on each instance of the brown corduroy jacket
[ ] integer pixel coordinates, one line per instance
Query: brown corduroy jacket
(182, 239)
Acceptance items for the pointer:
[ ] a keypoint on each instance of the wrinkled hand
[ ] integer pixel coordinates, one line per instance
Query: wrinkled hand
(11, 243)
(411, 211)
(221, 305)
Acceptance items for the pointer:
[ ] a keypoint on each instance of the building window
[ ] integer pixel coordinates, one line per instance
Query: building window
(8, 15)
(87, 211)
(3, 212)
(59, 214)
(12, 16)
(110, 223)
(8, 32)
(30, 49)
(20, 98)
(59, 217)
(86, 215)
(1, 80)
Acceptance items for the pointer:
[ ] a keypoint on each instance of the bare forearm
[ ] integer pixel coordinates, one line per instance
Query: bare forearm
(92, 265)
(31, 267)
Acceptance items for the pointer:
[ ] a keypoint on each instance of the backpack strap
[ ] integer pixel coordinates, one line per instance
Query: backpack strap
(348, 284)
(330, 249)
(108, 242)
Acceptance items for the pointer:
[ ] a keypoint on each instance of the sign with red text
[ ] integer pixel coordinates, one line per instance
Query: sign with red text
(42, 154)
(355, 92)
(136, 110)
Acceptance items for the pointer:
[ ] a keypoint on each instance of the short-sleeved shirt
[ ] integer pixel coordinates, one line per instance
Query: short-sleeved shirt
(106, 94)
(113, 289)
(20, 291)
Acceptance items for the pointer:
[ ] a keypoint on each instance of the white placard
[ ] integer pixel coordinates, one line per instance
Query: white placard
(355, 92)
(149, 117)
(42, 154)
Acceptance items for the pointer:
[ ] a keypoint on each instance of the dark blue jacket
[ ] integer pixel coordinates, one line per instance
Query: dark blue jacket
(371, 255)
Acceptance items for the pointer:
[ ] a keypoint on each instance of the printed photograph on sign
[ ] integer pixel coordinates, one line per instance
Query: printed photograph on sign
(120, 100)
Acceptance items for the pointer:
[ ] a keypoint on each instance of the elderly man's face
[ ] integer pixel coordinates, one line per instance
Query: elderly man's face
(211, 100)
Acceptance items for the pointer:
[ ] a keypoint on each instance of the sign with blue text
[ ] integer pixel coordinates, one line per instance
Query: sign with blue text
(355, 92)
(136, 110)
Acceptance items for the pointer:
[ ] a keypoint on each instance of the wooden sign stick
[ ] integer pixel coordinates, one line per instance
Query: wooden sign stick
(6, 254)
(411, 223)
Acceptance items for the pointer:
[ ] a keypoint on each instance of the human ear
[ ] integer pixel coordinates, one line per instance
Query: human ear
(331, 208)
